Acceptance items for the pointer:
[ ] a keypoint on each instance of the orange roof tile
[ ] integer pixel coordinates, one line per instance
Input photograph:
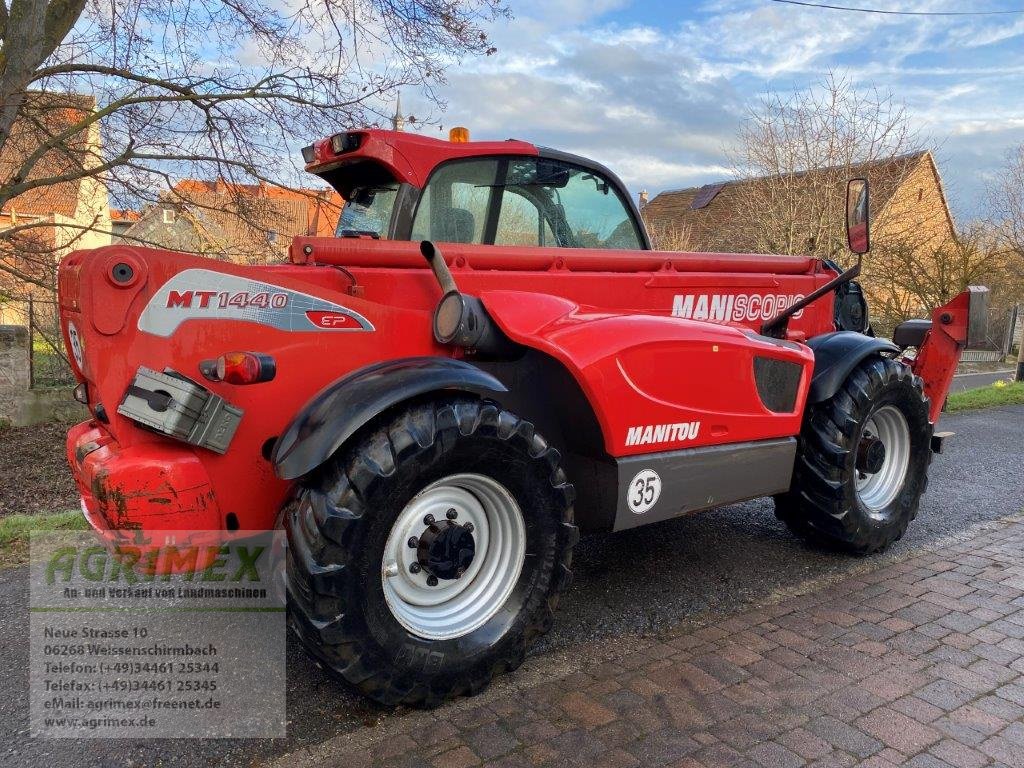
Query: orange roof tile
(124, 214)
(44, 116)
(247, 219)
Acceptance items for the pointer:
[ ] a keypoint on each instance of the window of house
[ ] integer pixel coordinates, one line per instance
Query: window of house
(531, 201)
(169, 215)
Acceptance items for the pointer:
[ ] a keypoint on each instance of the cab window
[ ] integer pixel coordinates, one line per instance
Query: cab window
(520, 222)
(453, 207)
(524, 201)
(367, 210)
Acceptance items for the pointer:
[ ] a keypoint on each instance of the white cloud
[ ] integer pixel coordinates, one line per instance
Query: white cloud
(659, 103)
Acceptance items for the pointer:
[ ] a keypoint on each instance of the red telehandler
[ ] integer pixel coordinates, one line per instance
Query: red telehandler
(433, 424)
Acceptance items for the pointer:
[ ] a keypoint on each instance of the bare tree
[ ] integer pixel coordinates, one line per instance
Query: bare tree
(1006, 205)
(670, 237)
(801, 148)
(908, 281)
(222, 89)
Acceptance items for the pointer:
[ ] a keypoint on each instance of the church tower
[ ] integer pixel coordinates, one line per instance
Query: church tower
(398, 121)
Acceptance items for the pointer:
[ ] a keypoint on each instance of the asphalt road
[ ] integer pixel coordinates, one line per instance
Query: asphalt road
(627, 585)
(964, 381)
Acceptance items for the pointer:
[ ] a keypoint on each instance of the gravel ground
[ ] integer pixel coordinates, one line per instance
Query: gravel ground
(34, 475)
(630, 584)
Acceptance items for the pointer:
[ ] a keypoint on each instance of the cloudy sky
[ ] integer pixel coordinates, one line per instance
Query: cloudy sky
(655, 90)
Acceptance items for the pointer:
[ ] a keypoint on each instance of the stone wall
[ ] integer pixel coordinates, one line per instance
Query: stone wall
(21, 405)
(14, 359)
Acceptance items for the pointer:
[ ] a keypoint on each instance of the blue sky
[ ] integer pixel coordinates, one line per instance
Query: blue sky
(656, 90)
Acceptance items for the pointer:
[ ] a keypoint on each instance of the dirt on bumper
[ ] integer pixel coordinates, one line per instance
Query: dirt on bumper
(146, 487)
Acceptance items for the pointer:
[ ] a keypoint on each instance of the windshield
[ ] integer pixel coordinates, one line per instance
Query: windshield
(368, 211)
(531, 201)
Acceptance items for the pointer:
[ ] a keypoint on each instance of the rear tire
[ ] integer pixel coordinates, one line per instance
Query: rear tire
(834, 501)
(358, 597)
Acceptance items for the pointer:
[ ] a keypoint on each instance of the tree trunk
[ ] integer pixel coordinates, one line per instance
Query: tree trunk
(32, 31)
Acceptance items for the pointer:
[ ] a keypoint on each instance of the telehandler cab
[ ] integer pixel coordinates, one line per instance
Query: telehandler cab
(486, 358)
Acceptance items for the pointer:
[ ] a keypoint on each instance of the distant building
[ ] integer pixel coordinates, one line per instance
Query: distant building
(121, 220)
(398, 119)
(802, 213)
(56, 217)
(906, 198)
(244, 223)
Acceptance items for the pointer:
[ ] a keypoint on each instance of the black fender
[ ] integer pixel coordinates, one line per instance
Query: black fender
(836, 355)
(343, 407)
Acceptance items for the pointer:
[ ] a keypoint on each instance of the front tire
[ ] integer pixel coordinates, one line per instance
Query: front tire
(427, 557)
(862, 461)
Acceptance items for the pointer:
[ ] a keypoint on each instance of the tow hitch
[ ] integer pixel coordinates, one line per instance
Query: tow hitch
(178, 407)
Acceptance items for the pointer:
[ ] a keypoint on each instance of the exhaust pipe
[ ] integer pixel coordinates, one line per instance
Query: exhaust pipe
(461, 320)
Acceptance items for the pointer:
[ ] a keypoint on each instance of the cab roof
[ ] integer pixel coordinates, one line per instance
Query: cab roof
(409, 156)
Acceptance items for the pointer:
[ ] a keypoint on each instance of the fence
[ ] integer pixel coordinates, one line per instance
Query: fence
(999, 337)
(49, 367)
(981, 356)
(48, 363)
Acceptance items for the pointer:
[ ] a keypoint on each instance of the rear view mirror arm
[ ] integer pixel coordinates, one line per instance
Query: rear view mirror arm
(776, 327)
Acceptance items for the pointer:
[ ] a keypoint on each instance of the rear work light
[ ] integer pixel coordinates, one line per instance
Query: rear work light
(239, 368)
(345, 142)
(309, 154)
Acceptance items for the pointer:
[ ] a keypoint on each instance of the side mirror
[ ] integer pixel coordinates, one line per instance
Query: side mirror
(858, 230)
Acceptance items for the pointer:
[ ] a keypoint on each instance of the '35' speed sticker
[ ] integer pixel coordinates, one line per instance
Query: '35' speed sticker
(643, 491)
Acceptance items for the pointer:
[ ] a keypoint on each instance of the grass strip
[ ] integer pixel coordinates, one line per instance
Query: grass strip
(991, 396)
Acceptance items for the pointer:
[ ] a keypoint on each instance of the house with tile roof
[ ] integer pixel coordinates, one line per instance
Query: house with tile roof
(245, 223)
(121, 220)
(69, 208)
(803, 213)
(907, 202)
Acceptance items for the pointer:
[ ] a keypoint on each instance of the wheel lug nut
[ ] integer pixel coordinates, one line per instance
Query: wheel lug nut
(431, 581)
(414, 568)
(413, 542)
(451, 514)
(428, 520)
(468, 527)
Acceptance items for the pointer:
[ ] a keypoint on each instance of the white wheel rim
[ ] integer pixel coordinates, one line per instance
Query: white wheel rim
(455, 607)
(878, 490)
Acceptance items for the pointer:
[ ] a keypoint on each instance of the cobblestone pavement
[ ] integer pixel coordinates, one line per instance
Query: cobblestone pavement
(917, 663)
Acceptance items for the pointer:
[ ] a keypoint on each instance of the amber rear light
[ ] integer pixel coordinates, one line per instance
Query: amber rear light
(239, 368)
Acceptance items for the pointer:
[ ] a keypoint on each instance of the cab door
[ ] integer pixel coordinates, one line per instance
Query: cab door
(527, 202)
